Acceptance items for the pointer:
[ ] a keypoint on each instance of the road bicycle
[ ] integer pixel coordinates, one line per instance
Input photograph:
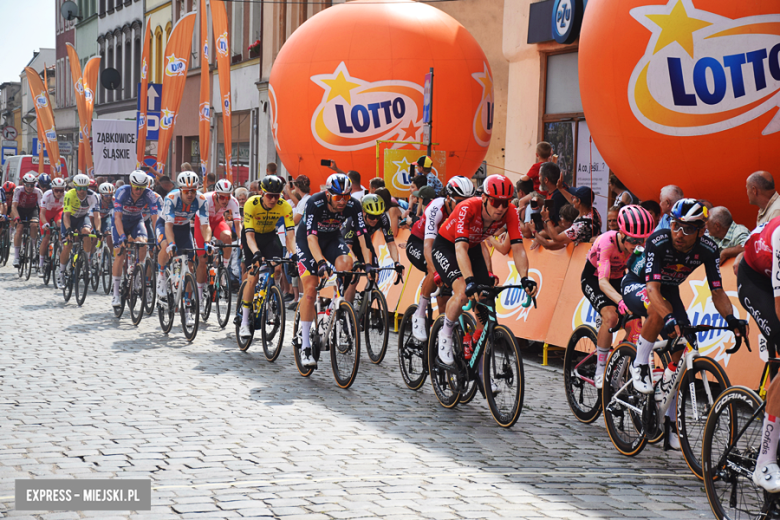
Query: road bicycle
(181, 296)
(335, 329)
(51, 262)
(633, 419)
(6, 237)
(132, 288)
(496, 364)
(76, 274)
(25, 251)
(268, 312)
(373, 316)
(101, 265)
(218, 291)
(150, 267)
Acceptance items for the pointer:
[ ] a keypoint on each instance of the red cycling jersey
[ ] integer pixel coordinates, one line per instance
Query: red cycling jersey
(465, 224)
(759, 248)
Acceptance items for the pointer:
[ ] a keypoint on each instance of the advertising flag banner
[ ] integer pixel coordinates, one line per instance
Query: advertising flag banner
(40, 146)
(175, 66)
(45, 115)
(85, 156)
(147, 44)
(220, 21)
(204, 108)
(90, 76)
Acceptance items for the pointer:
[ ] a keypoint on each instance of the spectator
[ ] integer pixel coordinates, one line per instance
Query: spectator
(425, 167)
(242, 194)
(612, 219)
(761, 192)
(270, 168)
(375, 184)
(653, 207)
(164, 185)
(393, 211)
(729, 235)
(358, 190)
(543, 155)
(209, 182)
(623, 197)
(101, 179)
(707, 204)
(567, 216)
(119, 183)
(254, 188)
(669, 196)
(584, 227)
(523, 188)
(301, 190)
(186, 167)
(549, 178)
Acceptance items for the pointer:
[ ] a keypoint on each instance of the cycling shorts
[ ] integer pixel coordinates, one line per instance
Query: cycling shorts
(756, 296)
(634, 293)
(132, 228)
(590, 288)
(51, 216)
(446, 262)
(267, 243)
(331, 248)
(182, 237)
(28, 213)
(76, 224)
(416, 255)
(106, 224)
(217, 225)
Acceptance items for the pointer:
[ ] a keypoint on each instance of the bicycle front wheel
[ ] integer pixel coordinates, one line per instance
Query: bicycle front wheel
(150, 295)
(244, 342)
(137, 294)
(188, 307)
(504, 381)
(376, 326)
(623, 405)
(205, 302)
(579, 374)
(222, 298)
(47, 265)
(444, 382)
(94, 271)
(412, 358)
(81, 279)
(67, 280)
(28, 258)
(729, 455)
(345, 346)
(106, 270)
(699, 388)
(272, 317)
(166, 306)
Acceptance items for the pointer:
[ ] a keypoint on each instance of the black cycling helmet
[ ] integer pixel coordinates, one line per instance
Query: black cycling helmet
(272, 184)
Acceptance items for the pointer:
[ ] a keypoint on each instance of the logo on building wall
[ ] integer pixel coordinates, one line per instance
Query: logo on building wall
(566, 20)
(175, 66)
(483, 118)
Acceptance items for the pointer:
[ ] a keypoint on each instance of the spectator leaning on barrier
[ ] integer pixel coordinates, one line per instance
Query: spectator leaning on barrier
(585, 226)
(425, 167)
(375, 184)
(549, 177)
(729, 235)
(543, 155)
(623, 197)
(612, 219)
(761, 192)
(241, 194)
(254, 188)
(669, 196)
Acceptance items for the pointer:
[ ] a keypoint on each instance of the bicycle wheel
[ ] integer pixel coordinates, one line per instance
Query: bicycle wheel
(728, 461)
(188, 308)
(412, 358)
(7, 248)
(150, 268)
(503, 369)
(106, 269)
(28, 258)
(467, 394)
(54, 262)
(22, 252)
(137, 294)
(3, 245)
(345, 346)
(699, 388)
(94, 271)
(272, 317)
(443, 381)
(205, 302)
(243, 343)
(222, 298)
(623, 405)
(47, 270)
(67, 280)
(297, 342)
(81, 278)
(376, 326)
(579, 372)
(166, 306)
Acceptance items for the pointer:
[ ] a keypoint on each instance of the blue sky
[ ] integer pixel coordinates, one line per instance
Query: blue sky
(25, 26)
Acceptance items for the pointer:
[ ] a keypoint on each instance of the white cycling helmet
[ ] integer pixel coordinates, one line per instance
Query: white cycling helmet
(460, 186)
(188, 180)
(151, 182)
(139, 178)
(59, 183)
(81, 181)
(106, 188)
(30, 178)
(224, 186)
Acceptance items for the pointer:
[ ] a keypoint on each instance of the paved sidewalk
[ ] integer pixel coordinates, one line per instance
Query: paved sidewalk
(225, 434)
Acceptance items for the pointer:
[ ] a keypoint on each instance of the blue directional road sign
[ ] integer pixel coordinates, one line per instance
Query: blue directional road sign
(153, 104)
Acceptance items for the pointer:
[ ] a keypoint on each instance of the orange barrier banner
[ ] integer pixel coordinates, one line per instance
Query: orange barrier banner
(177, 62)
(219, 20)
(204, 108)
(85, 152)
(142, 93)
(45, 114)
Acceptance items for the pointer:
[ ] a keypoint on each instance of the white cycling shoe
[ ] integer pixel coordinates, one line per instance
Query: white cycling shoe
(445, 350)
(599, 381)
(419, 330)
(642, 378)
(245, 331)
(116, 301)
(161, 292)
(307, 360)
(768, 477)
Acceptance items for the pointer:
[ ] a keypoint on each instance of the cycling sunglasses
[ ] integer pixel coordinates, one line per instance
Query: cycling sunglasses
(637, 241)
(82, 189)
(339, 198)
(272, 196)
(371, 217)
(188, 192)
(60, 191)
(138, 187)
(223, 197)
(687, 229)
(498, 203)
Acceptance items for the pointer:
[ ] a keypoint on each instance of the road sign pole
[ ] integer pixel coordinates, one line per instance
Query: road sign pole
(430, 124)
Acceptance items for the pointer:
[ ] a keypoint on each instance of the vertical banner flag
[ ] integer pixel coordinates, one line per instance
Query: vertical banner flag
(175, 63)
(204, 109)
(45, 114)
(40, 145)
(85, 156)
(90, 76)
(142, 94)
(222, 43)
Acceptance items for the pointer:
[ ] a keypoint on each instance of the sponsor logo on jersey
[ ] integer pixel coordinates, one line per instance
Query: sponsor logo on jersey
(510, 302)
(175, 66)
(483, 117)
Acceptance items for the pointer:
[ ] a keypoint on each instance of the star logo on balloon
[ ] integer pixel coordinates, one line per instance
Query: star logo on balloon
(483, 117)
(355, 112)
(703, 73)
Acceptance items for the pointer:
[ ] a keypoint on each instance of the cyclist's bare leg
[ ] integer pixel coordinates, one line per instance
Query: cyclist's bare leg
(18, 236)
(428, 286)
(247, 297)
(770, 434)
(609, 318)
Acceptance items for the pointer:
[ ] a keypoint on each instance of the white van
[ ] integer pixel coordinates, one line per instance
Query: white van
(18, 165)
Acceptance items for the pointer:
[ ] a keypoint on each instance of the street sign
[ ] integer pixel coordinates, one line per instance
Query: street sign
(9, 143)
(8, 151)
(427, 98)
(36, 151)
(66, 148)
(152, 125)
(153, 97)
(9, 133)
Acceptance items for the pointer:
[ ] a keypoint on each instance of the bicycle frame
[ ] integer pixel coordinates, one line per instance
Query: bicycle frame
(176, 278)
(370, 286)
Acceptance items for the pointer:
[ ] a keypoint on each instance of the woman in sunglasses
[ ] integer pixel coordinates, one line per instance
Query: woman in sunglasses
(604, 270)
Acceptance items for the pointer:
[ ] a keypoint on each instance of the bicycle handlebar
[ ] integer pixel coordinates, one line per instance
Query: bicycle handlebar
(492, 291)
(270, 263)
(623, 321)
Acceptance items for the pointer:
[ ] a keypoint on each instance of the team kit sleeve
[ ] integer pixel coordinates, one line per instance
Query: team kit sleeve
(313, 214)
(203, 210)
(462, 220)
(17, 193)
(513, 226)
(603, 264)
(712, 263)
(433, 217)
(386, 229)
(169, 213)
(357, 214)
(776, 262)
(289, 223)
(67, 206)
(652, 260)
(233, 209)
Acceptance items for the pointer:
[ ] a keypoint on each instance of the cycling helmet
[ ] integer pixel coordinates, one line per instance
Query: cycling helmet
(373, 204)
(224, 186)
(81, 181)
(338, 184)
(151, 182)
(44, 181)
(498, 187)
(272, 184)
(425, 162)
(690, 211)
(460, 187)
(187, 180)
(106, 188)
(9, 186)
(139, 178)
(29, 178)
(93, 185)
(59, 183)
(635, 221)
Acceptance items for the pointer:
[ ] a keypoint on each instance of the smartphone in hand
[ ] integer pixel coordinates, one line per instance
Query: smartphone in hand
(537, 220)
(549, 204)
(326, 162)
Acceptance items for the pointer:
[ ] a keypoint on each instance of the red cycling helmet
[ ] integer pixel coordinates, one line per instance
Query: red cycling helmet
(93, 185)
(9, 186)
(635, 221)
(498, 187)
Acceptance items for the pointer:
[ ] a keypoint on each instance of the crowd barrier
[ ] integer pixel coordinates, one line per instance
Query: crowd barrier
(562, 306)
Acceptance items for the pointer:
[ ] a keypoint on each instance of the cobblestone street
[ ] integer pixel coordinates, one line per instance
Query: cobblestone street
(226, 434)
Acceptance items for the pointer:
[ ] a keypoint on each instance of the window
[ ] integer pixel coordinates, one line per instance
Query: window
(128, 89)
(111, 5)
(168, 29)
(238, 28)
(102, 7)
(158, 54)
(137, 66)
(102, 91)
(118, 66)
(109, 93)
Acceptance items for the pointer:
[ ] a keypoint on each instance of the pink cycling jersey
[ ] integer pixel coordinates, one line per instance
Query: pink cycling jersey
(607, 257)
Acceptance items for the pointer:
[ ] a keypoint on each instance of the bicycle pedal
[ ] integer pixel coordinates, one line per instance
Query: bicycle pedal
(449, 368)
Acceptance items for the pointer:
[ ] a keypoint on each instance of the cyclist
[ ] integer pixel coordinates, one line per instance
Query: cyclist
(150, 220)
(419, 248)
(173, 229)
(758, 288)
(51, 204)
(77, 210)
(44, 182)
(259, 239)
(130, 201)
(106, 208)
(462, 260)
(671, 255)
(375, 219)
(25, 208)
(319, 241)
(8, 194)
(604, 270)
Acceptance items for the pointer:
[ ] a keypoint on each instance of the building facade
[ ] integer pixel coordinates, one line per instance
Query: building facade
(10, 104)
(65, 115)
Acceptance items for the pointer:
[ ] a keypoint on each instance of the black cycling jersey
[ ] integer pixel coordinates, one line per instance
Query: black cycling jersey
(383, 223)
(320, 221)
(663, 263)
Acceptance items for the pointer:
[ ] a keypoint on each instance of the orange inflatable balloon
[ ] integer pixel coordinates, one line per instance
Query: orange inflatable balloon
(354, 74)
(684, 92)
